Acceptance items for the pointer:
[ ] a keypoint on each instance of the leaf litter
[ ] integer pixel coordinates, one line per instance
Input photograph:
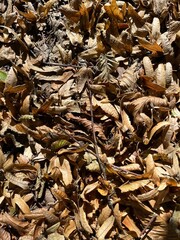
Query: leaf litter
(90, 119)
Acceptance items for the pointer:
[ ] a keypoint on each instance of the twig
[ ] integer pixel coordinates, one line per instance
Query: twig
(62, 64)
(101, 165)
(147, 229)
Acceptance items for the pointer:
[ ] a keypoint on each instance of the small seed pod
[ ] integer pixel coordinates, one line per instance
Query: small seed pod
(148, 67)
(161, 75)
(169, 76)
(156, 28)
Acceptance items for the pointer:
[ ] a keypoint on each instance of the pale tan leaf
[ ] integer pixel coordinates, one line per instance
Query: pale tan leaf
(89, 188)
(128, 187)
(131, 226)
(171, 131)
(25, 106)
(105, 213)
(66, 172)
(70, 228)
(129, 77)
(84, 221)
(4, 234)
(17, 181)
(141, 102)
(148, 195)
(19, 201)
(11, 79)
(93, 166)
(75, 38)
(159, 126)
(131, 167)
(54, 78)
(150, 168)
(109, 109)
(55, 236)
(126, 122)
(26, 237)
(105, 228)
(20, 226)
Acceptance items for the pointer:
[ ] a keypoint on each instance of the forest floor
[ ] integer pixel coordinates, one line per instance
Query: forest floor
(89, 119)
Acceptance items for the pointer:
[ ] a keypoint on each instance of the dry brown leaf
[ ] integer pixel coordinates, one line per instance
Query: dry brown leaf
(25, 105)
(84, 221)
(15, 89)
(70, 13)
(29, 15)
(66, 172)
(89, 119)
(17, 181)
(109, 109)
(89, 188)
(55, 78)
(113, 11)
(147, 81)
(131, 167)
(84, 19)
(155, 129)
(4, 234)
(128, 187)
(154, 47)
(71, 227)
(20, 226)
(19, 201)
(127, 125)
(105, 228)
(105, 213)
(141, 102)
(50, 216)
(128, 79)
(44, 9)
(135, 16)
(88, 124)
(150, 168)
(148, 195)
(131, 226)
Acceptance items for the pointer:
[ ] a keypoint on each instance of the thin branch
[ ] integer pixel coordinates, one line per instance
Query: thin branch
(147, 229)
(101, 165)
(62, 64)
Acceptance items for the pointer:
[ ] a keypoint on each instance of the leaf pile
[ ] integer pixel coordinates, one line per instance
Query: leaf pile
(90, 119)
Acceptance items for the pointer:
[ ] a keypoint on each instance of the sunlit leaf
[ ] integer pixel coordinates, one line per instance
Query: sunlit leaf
(133, 186)
(55, 146)
(3, 76)
(154, 47)
(113, 11)
(84, 220)
(105, 228)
